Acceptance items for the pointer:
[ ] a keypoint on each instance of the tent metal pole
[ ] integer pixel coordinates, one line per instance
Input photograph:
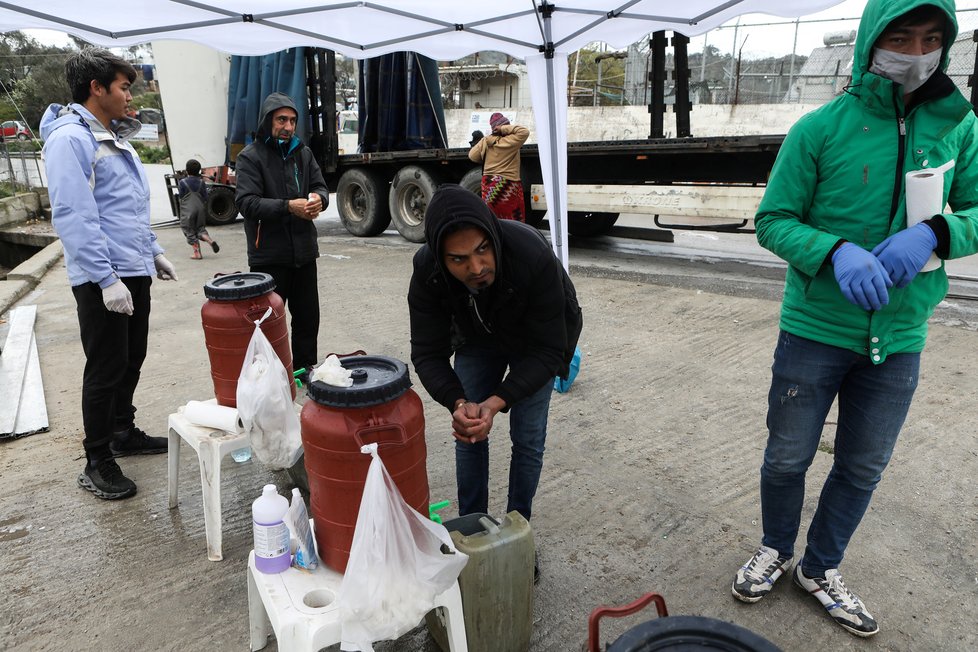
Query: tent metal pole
(557, 222)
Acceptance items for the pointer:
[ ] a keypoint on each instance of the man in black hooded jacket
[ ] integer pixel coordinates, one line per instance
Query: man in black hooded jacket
(280, 191)
(492, 292)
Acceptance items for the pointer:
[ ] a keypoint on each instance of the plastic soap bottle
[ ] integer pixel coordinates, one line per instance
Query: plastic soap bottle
(271, 533)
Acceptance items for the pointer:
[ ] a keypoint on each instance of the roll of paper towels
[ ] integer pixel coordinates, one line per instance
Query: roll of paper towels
(925, 199)
(212, 415)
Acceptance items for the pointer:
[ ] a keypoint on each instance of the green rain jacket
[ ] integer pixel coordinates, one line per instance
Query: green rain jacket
(839, 176)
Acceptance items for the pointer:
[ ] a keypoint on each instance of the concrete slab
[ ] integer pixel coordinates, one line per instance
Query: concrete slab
(11, 291)
(650, 480)
(19, 207)
(33, 269)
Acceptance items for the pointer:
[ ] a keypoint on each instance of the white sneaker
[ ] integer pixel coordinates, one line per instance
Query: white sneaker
(843, 605)
(756, 578)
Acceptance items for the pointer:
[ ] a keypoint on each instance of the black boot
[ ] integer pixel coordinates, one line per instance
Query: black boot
(136, 442)
(103, 477)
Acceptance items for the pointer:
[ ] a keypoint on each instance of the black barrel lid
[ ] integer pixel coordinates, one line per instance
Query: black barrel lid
(376, 379)
(240, 285)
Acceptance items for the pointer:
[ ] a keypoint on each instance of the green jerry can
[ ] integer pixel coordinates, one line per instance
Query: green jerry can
(496, 584)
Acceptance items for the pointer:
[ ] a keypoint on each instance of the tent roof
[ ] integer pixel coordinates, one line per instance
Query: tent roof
(541, 33)
(440, 29)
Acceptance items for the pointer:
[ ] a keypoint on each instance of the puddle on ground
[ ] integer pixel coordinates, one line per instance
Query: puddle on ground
(9, 530)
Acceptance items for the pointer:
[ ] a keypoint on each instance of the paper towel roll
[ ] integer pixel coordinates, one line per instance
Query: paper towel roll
(925, 199)
(211, 415)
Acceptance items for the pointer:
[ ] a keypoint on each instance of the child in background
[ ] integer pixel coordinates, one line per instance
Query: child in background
(193, 211)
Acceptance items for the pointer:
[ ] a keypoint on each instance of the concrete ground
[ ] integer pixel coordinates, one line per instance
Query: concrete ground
(650, 481)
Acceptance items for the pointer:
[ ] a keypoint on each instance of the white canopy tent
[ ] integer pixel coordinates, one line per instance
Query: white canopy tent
(542, 32)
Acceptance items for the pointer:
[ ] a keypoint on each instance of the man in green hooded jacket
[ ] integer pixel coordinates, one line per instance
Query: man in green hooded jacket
(857, 293)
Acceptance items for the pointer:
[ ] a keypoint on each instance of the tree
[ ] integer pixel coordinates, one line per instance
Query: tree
(584, 77)
(149, 100)
(32, 76)
(45, 85)
(346, 79)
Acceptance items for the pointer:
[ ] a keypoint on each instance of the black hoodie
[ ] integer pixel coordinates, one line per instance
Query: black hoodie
(531, 307)
(268, 175)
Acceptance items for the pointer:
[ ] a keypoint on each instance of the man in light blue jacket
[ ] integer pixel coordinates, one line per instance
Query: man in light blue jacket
(100, 204)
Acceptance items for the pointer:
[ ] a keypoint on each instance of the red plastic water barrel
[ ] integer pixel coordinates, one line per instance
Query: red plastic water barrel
(380, 407)
(234, 303)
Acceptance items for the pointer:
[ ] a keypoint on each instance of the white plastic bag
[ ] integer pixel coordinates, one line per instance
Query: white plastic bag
(265, 406)
(396, 565)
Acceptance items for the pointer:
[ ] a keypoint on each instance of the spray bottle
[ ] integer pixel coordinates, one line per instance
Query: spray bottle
(298, 521)
(271, 533)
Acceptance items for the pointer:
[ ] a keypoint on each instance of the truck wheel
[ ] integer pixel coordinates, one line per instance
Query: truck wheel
(360, 203)
(472, 181)
(587, 225)
(410, 193)
(220, 205)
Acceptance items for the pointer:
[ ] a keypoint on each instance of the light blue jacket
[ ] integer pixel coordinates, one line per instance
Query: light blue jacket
(99, 196)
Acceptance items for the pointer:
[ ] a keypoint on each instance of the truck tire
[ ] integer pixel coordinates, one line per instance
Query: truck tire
(587, 225)
(410, 193)
(472, 181)
(220, 205)
(360, 203)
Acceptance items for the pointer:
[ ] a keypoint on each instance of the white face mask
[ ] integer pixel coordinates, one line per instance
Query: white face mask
(909, 70)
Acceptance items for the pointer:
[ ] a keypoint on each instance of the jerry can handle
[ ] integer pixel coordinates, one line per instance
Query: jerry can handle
(593, 640)
(359, 435)
(489, 525)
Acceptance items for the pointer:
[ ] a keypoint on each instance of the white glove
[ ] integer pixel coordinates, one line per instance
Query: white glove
(164, 269)
(116, 298)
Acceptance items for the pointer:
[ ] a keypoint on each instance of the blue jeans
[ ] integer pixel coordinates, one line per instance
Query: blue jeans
(873, 404)
(481, 370)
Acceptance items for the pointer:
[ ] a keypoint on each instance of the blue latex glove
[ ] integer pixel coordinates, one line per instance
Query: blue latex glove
(903, 254)
(861, 277)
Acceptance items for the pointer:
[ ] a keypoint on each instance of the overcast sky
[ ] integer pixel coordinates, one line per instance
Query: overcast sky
(778, 40)
(755, 42)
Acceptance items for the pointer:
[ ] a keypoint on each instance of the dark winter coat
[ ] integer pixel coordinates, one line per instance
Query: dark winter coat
(268, 175)
(532, 304)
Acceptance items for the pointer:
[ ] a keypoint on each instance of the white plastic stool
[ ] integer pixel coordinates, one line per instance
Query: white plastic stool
(211, 446)
(300, 607)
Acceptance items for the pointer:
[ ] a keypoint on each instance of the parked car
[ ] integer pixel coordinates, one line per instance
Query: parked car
(15, 129)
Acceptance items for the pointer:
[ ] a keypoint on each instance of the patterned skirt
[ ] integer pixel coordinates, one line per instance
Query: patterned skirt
(504, 197)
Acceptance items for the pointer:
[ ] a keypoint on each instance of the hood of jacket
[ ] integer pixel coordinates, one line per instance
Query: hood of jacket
(880, 13)
(273, 103)
(57, 116)
(452, 204)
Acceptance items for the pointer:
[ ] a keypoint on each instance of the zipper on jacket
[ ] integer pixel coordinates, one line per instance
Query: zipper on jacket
(478, 316)
(901, 154)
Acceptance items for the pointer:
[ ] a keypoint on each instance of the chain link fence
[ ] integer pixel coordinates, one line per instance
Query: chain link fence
(20, 170)
(778, 62)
